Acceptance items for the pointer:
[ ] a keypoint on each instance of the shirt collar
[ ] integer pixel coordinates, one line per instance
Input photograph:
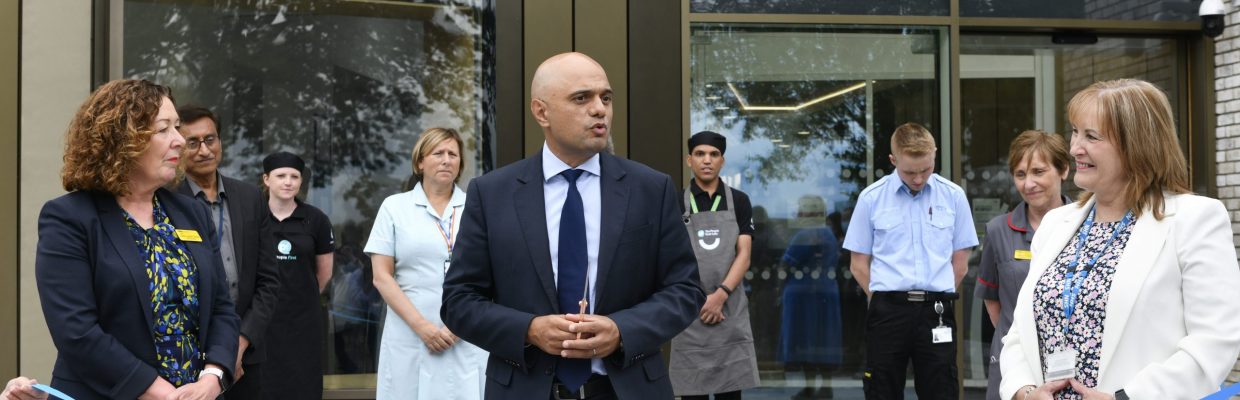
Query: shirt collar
(197, 190)
(898, 185)
(553, 166)
(419, 196)
(696, 190)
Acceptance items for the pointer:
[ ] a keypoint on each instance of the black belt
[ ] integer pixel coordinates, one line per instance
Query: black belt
(596, 386)
(916, 296)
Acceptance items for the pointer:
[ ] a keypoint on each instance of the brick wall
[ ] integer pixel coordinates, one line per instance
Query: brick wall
(1227, 93)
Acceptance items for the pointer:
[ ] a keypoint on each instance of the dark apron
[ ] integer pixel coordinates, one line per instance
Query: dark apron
(293, 368)
(708, 359)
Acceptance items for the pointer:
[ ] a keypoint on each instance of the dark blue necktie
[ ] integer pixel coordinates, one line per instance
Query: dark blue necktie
(571, 278)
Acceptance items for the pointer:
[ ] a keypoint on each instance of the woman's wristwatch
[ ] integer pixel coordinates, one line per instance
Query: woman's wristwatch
(725, 288)
(1120, 395)
(219, 373)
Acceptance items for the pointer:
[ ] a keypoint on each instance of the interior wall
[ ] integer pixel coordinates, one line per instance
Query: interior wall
(55, 78)
(9, 44)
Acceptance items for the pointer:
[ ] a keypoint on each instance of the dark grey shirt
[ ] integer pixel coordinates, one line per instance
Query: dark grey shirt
(223, 222)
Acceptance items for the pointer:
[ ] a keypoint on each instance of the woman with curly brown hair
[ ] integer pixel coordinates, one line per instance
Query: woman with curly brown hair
(129, 274)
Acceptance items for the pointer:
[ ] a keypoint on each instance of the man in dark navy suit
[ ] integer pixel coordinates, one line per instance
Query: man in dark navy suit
(572, 227)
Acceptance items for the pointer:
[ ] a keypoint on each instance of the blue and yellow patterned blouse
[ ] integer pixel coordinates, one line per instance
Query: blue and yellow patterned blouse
(174, 298)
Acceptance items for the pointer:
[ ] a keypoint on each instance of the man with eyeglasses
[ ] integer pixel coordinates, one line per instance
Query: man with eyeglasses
(239, 213)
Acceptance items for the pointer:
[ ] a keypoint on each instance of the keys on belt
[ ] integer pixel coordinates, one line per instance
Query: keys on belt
(595, 386)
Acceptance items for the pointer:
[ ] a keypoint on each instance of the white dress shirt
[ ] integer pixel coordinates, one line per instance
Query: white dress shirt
(555, 192)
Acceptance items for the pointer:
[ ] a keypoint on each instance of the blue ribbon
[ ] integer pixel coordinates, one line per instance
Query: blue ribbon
(55, 393)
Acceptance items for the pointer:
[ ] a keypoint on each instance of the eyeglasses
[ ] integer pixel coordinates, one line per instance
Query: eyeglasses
(209, 140)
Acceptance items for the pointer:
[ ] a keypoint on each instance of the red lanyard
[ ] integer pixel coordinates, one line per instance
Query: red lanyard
(447, 236)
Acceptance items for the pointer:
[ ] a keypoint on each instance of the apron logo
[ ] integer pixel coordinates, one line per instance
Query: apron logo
(703, 233)
(285, 247)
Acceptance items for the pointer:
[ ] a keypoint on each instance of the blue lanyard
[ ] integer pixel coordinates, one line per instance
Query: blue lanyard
(1077, 273)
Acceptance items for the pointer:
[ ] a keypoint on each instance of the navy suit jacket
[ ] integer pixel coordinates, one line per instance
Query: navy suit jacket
(97, 301)
(501, 277)
(258, 281)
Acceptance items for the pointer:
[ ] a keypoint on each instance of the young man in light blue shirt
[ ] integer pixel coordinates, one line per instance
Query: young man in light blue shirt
(910, 236)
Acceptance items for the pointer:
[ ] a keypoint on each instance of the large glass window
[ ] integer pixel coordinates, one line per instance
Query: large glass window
(348, 85)
(1127, 10)
(835, 7)
(808, 112)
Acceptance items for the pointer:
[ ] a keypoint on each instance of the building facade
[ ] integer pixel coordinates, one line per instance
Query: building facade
(806, 91)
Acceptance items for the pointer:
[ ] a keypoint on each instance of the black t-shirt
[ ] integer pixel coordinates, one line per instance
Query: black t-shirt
(744, 210)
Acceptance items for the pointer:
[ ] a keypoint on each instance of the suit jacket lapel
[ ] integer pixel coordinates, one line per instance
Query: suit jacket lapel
(1139, 256)
(199, 251)
(615, 197)
(532, 214)
(112, 218)
(238, 226)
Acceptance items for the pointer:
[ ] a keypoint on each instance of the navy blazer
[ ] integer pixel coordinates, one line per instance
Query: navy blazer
(258, 281)
(501, 277)
(96, 295)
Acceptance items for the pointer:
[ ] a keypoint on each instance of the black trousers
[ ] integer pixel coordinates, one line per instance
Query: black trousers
(897, 331)
(736, 395)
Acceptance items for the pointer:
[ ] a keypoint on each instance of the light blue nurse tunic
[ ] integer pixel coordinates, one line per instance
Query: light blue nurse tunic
(408, 229)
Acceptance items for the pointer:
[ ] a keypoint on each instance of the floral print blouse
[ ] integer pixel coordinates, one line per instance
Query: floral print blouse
(174, 298)
(1085, 329)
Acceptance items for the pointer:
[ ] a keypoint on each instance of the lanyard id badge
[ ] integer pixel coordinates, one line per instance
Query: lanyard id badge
(941, 333)
(448, 239)
(1061, 365)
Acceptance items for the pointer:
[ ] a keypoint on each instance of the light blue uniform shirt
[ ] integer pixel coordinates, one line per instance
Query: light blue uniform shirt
(555, 191)
(911, 238)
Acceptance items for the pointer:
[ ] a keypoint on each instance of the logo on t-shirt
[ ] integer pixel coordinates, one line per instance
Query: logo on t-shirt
(285, 247)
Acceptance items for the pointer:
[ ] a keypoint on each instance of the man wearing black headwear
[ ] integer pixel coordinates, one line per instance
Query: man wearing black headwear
(715, 355)
(239, 212)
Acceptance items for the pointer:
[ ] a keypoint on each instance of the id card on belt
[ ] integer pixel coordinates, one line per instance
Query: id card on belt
(942, 334)
(1061, 365)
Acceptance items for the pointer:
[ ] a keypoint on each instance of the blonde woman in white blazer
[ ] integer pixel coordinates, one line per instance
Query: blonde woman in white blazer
(1157, 314)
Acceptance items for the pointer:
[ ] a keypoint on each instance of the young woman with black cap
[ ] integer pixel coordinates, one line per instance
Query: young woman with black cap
(300, 241)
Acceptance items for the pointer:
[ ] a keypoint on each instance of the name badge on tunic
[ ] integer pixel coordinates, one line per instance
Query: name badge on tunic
(1023, 255)
(1061, 365)
(188, 235)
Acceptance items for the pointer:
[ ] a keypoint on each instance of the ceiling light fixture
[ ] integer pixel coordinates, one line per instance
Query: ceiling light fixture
(747, 107)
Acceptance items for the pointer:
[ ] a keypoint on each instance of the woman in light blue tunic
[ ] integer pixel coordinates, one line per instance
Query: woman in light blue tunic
(410, 247)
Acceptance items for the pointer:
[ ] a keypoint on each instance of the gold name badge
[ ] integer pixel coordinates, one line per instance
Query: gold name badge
(1023, 255)
(188, 235)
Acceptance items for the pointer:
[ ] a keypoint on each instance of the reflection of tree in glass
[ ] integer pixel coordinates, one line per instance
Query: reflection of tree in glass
(833, 128)
(348, 85)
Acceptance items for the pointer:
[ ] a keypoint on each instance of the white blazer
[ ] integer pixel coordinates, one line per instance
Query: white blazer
(1172, 328)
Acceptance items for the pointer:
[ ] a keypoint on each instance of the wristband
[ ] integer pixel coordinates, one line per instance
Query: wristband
(725, 289)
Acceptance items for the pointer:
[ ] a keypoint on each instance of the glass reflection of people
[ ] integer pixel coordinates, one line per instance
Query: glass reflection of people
(301, 241)
(811, 339)
(1038, 162)
(1132, 289)
(715, 355)
(409, 248)
(355, 309)
(129, 273)
(239, 212)
(910, 236)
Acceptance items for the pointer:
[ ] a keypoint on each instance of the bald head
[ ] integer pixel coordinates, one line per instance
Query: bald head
(572, 103)
(561, 67)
